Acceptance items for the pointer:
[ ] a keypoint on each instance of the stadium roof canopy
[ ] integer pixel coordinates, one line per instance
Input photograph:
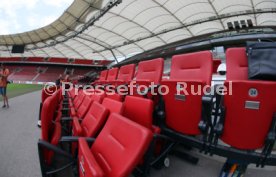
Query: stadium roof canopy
(94, 29)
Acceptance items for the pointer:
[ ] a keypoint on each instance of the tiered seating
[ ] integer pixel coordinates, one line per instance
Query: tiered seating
(80, 72)
(90, 125)
(188, 114)
(102, 77)
(51, 74)
(125, 75)
(27, 73)
(111, 76)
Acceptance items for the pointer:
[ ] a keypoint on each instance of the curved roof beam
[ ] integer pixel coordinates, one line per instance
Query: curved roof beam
(253, 8)
(216, 12)
(112, 32)
(234, 5)
(88, 47)
(187, 5)
(132, 21)
(173, 14)
(108, 47)
(214, 18)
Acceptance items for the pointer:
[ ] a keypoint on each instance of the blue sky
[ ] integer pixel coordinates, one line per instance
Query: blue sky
(18, 16)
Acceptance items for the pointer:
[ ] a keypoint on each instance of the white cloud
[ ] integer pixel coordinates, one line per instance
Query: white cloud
(4, 27)
(35, 21)
(57, 3)
(20, 16)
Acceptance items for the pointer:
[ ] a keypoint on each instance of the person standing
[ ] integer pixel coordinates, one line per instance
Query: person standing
(58, 81)
(4, 73)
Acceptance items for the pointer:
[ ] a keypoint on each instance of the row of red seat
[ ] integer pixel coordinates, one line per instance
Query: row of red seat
(245, 115)
(244, 119)
(147, 71)
(124, 135)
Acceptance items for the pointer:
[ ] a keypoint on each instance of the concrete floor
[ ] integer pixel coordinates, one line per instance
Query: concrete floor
(19, 157)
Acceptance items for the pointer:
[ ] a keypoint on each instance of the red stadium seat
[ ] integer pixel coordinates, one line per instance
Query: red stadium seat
(75, 104)
(125, 75)
(116, 151)
(95, 117)
(98, 95)
(141, 114)
(81, 111)
(50, 132)
(246, 127)
(249, 105)
(111, 76)
(183, 110)
(45, 94)
(150, 71)
(236, 64)
(92, 122)
(115, 96)
(73, 93)
(102, 77)
(113, 106)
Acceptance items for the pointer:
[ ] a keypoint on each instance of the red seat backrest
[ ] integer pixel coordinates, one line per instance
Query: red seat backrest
(73, 93)
(115, 96)
(50, 132)
(120, 146)
(246, 127)
(139, 110)
(98, 96)
(150, 70)
(84, 107)
(47, 115)
(113, 106)
(79, 99)
(94, 119)
(45, 93)
(112, 74)
(126, 72)
(103, 75)
(192, 66)
(236, 64)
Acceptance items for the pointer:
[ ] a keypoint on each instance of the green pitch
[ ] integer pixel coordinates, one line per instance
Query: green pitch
(14, 90)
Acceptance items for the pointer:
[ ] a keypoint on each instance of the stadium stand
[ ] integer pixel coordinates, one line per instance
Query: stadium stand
(24, 73)
(50, 74)
(182, 91)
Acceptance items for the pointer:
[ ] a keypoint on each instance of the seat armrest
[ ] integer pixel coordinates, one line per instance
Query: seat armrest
(163, 137)
(75, 139)
(66, 119)
(55, 149)
(88, 165)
